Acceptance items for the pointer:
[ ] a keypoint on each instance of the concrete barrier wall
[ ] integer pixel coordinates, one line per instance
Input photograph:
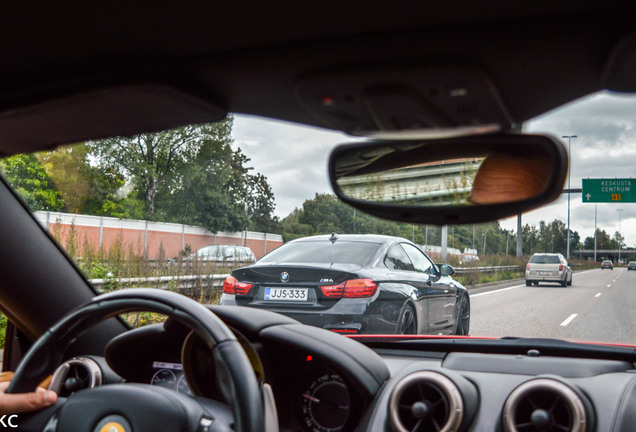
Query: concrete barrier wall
(148, 238)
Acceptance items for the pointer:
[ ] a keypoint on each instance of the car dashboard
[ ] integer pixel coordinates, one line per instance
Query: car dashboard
(327, 382)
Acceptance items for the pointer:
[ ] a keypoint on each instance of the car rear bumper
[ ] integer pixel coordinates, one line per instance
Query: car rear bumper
(560, 277)
(351, 316)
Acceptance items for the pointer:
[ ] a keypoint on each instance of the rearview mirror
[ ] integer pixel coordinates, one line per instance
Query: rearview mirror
(450, 181)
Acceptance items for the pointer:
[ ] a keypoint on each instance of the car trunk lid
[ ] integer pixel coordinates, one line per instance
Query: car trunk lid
(293, 285)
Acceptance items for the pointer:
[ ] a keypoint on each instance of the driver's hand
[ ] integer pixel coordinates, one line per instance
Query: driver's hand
(21, 402)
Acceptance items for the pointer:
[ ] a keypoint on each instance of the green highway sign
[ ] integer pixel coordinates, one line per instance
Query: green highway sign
(609, 190)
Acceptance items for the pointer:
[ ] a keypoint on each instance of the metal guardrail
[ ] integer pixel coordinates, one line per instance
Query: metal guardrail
(217, 279)
(492, 269)
(162, 281)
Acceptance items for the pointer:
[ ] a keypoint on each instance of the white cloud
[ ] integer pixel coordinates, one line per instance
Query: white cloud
(294, 158)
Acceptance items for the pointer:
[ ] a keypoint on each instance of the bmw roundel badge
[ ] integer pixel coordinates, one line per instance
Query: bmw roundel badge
(284, 277)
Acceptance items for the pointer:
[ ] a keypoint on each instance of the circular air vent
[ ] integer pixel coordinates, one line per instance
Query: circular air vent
(426, 401)
(545, 405)
(76, 374)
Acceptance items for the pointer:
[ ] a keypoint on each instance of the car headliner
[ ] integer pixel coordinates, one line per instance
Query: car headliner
(167, 64)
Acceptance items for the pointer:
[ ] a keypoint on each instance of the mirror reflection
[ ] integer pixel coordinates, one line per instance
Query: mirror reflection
(426, 175)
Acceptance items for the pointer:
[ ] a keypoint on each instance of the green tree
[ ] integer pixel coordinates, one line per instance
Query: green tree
(154, 161)
(603, 240)
(68, 168)
(31, 181)
(85, 188)
(261, 204)
(190, 175)
(211, 192)
(325, 214)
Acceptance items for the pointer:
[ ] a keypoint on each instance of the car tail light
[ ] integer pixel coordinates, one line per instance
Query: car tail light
(333, 291)
(354, 288)
(561, 267)
(528, 266)
(233, 286)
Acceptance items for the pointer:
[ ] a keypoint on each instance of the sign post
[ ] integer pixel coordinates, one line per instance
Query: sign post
(609, 190)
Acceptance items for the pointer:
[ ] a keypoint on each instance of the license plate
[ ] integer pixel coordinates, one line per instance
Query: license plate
(286, 294)
(545, 273)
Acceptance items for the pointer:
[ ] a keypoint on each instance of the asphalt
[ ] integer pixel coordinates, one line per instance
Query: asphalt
(600, 306)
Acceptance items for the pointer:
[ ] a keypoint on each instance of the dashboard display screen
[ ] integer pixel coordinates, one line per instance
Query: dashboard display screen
(171, 376)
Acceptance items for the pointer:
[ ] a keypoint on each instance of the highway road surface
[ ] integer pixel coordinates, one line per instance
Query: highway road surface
(600, 306)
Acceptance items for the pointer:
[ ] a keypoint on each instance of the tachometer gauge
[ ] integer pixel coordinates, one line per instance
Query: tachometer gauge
(164, 378)
(183, 387)
(326, 404)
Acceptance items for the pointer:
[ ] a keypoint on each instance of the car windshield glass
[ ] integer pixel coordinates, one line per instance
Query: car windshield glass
(545, 259)
(145, 210)
(325, 252)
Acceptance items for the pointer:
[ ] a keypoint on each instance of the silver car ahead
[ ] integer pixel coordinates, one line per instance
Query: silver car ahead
(548, 267)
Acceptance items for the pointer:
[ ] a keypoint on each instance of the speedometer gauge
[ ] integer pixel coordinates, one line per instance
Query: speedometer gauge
(164, 378)
(326, 404)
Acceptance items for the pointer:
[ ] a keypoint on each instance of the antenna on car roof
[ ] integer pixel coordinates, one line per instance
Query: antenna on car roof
(333, 237)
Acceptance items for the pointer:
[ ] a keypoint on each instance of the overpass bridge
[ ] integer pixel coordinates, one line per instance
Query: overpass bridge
(610, 254)
(443, 182)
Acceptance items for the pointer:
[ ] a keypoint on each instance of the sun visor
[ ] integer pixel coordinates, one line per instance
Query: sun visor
(114, 111)
(618, 74)
(370, 99)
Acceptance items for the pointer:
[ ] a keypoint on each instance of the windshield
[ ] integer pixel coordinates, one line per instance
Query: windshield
(326, 252)
(191, 209)
(545, 259)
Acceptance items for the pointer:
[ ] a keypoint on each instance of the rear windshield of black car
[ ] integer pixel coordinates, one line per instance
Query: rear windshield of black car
(323, 252)
(545, 259)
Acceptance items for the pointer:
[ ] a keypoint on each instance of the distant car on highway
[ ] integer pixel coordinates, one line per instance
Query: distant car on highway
(631, 265)
(224, 254)
(469, 259)
(354, 284)
(548, 267)
(607, 264)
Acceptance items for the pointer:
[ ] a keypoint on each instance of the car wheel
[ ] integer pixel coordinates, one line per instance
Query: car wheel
(463, 317)
(565, 282)
(407, 324)
(570, 281)
(528, 283)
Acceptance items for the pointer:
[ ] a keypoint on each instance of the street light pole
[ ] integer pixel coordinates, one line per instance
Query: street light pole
(595, 229)
(569, 137)
(620, 211)
(507, 242)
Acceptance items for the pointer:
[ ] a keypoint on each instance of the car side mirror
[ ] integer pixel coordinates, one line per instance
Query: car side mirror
(445, 269)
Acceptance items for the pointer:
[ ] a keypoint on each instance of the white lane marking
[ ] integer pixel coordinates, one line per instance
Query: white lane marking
(598, 295)
(496, 291)
(519, 286)
(568, 320)
(609, 285)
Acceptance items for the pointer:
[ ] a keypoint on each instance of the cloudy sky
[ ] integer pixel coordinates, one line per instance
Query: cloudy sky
(294, 159)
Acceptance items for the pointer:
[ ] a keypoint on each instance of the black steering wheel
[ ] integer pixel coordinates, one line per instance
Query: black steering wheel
(141, 407)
